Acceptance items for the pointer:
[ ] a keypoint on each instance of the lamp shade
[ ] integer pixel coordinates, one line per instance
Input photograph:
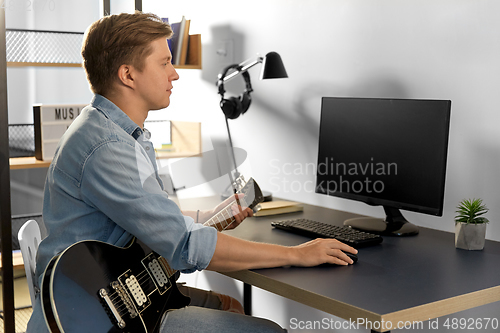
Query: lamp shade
(272, 67)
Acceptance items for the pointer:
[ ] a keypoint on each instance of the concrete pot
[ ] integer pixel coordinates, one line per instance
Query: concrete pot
(469, 236)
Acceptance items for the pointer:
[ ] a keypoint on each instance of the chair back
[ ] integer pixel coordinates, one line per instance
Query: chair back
(29, 238)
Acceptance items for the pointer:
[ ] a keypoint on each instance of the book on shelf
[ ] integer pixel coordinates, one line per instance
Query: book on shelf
(278, 207)
(169, 41)
(180, 40)
(184, 44)
(179, 43)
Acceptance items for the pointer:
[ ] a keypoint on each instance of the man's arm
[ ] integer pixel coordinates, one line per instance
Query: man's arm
(232, 254)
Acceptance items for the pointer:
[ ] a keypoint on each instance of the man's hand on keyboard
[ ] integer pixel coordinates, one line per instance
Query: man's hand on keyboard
(320, 251)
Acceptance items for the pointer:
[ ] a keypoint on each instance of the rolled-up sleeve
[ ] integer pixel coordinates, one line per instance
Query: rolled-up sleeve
(113, 184)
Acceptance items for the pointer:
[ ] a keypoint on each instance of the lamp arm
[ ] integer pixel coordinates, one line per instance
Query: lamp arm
(237, 174)
(243, 68)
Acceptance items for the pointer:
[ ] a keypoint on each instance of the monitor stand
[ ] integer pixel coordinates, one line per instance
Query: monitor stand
(394, 224)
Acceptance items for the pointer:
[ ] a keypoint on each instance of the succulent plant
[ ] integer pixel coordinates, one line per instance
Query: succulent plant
(471, 211)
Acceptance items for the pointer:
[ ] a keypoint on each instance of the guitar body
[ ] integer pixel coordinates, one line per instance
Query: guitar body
(97, 287)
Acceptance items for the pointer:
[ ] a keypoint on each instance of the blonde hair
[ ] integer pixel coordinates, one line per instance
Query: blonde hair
(116, 40)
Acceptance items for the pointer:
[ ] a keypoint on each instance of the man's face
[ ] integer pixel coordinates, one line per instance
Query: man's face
(154, 83)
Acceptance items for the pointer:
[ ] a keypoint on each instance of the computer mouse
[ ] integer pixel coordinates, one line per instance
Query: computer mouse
(353, 256)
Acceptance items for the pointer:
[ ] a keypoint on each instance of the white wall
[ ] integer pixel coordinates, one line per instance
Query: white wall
(446, 49)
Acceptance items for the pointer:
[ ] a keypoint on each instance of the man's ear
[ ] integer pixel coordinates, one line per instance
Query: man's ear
(126, 75)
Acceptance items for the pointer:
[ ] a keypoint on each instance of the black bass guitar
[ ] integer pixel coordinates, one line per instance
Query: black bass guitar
(93, 286)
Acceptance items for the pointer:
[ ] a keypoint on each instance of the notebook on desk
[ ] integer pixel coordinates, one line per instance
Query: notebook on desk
(278, 207)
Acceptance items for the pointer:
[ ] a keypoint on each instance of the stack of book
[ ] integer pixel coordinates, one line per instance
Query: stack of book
(179, 43)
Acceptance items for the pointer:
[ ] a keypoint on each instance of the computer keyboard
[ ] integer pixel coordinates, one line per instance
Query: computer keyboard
(310, 228)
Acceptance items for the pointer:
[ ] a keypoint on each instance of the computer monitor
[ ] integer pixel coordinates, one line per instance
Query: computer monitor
(387, 152)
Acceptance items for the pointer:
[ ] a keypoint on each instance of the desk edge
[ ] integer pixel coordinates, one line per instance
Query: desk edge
(446, 306)
(349, 312)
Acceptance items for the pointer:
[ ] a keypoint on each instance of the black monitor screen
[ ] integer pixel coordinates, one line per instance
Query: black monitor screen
(389, 152)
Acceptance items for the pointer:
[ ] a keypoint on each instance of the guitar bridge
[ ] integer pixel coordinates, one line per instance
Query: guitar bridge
(111, 306)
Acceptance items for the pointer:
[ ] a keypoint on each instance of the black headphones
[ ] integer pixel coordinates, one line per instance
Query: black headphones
(233, 107)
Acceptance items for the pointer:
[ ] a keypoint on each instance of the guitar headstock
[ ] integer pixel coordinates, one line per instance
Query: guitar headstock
(239, 183)
(251, 190)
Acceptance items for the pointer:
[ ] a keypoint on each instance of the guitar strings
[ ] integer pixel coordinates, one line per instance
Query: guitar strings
(143, 281)
(231, 218)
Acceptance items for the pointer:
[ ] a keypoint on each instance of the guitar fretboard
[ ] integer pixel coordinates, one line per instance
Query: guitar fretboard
(223, 219)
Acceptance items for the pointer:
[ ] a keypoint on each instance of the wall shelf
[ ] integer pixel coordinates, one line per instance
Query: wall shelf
(41, 64)
(28, 48)
(27, 163)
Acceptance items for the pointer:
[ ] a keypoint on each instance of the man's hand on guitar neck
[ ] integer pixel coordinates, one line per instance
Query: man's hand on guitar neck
(233, 206)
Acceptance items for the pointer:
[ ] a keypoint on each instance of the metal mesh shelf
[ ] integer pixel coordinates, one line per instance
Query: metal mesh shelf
(43, 47)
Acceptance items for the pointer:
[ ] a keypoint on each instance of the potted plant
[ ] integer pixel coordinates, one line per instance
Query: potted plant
(470, 224)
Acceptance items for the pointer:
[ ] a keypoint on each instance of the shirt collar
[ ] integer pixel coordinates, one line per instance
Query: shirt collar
(111, 111)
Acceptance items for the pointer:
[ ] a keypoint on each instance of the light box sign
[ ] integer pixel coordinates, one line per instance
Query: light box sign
(51, 121)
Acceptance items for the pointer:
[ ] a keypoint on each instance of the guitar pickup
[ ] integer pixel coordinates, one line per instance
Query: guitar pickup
(134, 290)
(157, 273)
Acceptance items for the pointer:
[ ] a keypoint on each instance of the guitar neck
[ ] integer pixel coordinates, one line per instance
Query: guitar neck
(223, 219)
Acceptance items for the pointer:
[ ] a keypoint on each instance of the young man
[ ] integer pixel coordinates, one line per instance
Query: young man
(103, 182)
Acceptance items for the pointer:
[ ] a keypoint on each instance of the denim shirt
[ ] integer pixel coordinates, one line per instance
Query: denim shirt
(103, 185)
